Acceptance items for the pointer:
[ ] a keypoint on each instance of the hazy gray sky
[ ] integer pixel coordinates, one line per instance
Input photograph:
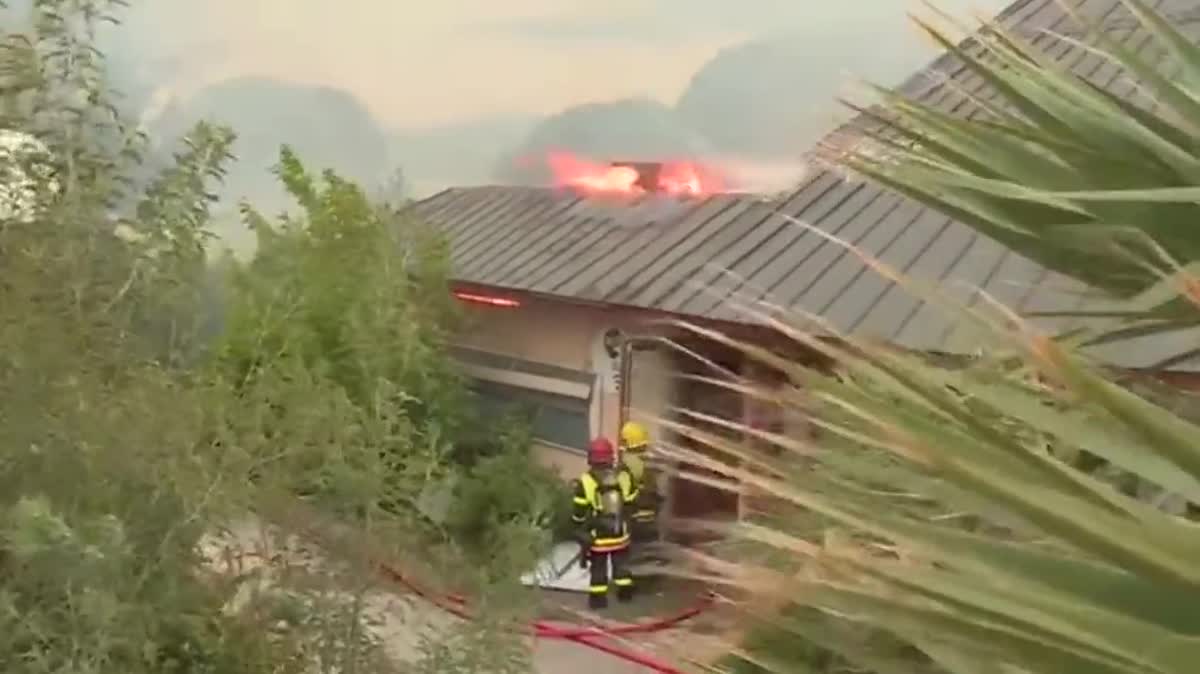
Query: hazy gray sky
(421, 63)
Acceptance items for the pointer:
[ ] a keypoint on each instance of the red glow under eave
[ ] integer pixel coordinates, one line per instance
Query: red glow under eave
(489, 300)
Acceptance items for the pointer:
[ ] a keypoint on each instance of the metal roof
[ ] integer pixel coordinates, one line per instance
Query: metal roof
(708, 257)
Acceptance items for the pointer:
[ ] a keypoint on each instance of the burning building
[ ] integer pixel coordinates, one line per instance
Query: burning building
(555, 276)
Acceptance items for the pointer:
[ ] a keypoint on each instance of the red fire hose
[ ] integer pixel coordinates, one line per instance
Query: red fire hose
(584, 636)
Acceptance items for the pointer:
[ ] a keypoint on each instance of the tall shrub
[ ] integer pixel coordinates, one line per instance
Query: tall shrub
(141, 410)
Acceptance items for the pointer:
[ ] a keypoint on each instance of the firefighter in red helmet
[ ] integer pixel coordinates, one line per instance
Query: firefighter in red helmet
(604, 496)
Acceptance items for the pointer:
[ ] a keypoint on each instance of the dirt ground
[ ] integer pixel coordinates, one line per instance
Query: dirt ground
(553, 656)
(400, 619)
(656, 598)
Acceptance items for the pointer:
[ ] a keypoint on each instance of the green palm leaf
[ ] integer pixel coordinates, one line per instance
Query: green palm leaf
(1055, 157)
(988, 521)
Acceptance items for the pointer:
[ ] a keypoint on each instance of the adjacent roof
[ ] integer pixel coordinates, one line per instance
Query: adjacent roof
(706, 257)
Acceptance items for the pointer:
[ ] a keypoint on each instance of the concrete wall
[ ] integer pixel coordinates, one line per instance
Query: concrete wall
(557, 334)
(653, 388)
(567, 335)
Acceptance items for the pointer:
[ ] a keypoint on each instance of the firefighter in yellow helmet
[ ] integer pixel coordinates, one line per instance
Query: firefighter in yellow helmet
(635, 443)
(603, 497)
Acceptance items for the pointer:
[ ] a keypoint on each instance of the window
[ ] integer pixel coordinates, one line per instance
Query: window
(554, 419)
(555, 400)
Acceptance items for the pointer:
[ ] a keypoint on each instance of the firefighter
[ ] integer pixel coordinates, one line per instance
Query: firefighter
(635, 442)
(603, 497)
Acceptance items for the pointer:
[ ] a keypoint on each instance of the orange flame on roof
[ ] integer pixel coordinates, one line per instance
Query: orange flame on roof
(686, 178)
(572, 171)
(679, 178)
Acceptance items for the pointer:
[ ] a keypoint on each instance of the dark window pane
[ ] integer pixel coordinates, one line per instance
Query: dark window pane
(568, 428)
(558, 420)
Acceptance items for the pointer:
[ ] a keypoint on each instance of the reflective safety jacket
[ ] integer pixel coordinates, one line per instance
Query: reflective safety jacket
(603, 499)
(645, 482)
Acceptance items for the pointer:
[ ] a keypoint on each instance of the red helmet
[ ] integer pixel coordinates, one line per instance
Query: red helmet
(601, 452)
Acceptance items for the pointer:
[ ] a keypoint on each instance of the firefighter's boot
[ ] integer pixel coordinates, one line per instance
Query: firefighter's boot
(598, 600)
(625, 593)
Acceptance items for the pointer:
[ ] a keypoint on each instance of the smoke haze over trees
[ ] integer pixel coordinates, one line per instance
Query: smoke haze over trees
(331, 127)
(629, 129)
(450, 94)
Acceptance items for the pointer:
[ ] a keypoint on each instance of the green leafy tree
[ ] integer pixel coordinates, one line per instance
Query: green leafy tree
(149, 399)
(344, 292)
(109, 476)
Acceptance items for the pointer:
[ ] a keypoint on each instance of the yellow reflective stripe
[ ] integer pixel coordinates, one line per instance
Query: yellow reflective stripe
(598, 589)
(579, 500)
(610, 544)
(589, 488)
(623, 582)
(597, 549)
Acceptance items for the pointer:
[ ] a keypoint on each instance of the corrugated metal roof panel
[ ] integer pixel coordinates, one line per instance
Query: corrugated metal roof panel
(816, 288)
(490, 231)
(1010, 284)
(582, 236)
(932, 324)
(672, 282)
(880, 305)
(704, 257)
(671, 251)
(850, 288)
(652, 234)
(755, 223)
(495, 249)
(776, 233)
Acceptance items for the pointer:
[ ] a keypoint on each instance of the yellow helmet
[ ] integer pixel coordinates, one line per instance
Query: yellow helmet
(634, 435)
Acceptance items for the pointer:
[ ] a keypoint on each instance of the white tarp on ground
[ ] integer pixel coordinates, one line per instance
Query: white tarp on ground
(560, 570)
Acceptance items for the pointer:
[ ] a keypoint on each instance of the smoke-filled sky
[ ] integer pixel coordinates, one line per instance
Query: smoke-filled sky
(424, 63)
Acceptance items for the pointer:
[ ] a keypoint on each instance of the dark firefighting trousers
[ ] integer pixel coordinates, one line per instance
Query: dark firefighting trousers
(609, 563)
(644, 526)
